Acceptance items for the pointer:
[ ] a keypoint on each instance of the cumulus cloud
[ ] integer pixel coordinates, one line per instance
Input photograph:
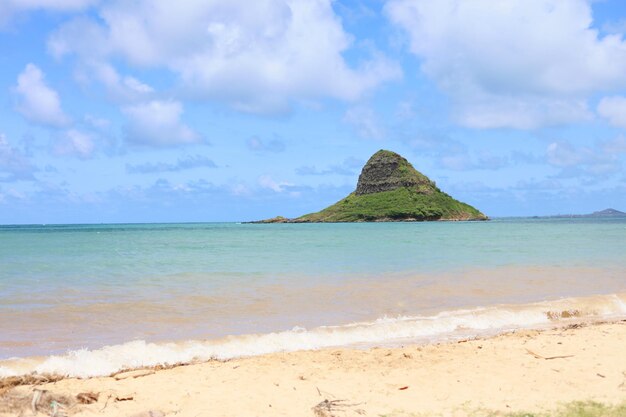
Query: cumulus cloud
(515, 63)
(562, 154)
(190, 162)
(62, 5)
(136, 85)
(483, 110)
(157, 123)
(576, 161)
(74, 142)
(120, 88)
(13, 163)
(10, 7)
(267, 182)
(256, 56)
(81, 36)
(36, 101)
(614, 109)
(90, 41)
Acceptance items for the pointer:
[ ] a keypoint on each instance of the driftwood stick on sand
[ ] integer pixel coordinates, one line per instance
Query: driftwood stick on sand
(36, 397)
(327, 407)
(530, 352)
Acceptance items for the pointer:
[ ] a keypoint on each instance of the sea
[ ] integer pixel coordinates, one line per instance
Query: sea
(88, 300)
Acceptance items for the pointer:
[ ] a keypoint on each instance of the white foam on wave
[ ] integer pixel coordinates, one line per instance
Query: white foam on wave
(6, 372)
(136, 354)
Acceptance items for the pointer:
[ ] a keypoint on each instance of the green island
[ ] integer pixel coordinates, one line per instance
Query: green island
(391, 189)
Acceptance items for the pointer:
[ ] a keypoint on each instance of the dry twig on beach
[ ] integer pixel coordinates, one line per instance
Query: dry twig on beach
(327, 408)
(530, 352)
(133, 374)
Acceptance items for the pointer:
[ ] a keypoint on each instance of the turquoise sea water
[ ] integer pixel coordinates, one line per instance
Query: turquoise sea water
(85, 286)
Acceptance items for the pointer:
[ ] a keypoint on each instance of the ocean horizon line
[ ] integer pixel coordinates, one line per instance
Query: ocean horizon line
(543, 216)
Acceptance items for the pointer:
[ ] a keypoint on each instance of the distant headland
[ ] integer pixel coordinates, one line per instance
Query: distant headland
(390, 189)
(596, 214)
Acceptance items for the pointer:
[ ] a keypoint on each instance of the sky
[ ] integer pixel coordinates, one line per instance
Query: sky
(212, 110)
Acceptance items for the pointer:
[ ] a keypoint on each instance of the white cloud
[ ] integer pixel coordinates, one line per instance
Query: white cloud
(120, 88)
(516, 63)
(64, 5)
(267, 182)
(81, 36)
(75, 142)
(90, 41)
(256, 56)
(613, 109)
(36, 101)
(562, 154)
(576, 160)
(136, 85)
(157, 123)
(484, 111)
(10, 7)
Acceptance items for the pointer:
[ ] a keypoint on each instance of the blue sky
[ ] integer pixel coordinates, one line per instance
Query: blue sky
(200, 110)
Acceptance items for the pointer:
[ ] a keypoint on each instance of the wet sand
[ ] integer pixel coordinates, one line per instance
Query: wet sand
(97, 318)
(530, 370)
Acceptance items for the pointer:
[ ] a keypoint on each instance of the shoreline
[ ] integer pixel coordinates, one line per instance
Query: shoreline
(439, 327)
(529, 370)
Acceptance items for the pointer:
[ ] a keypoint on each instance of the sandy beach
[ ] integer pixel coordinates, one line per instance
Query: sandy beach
(313, 208)
(529, 370)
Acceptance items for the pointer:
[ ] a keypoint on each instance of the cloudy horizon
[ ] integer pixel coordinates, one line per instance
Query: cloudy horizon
(160, 111)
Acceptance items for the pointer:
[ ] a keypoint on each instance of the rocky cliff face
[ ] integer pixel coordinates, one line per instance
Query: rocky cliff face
(386, 171)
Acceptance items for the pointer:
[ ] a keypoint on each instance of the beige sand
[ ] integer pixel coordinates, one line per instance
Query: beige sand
(525, 370)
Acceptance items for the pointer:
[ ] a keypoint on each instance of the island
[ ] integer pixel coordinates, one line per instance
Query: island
(606, 213)
(390, 189)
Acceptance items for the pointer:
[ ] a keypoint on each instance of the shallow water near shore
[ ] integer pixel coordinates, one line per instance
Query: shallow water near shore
(178, 292)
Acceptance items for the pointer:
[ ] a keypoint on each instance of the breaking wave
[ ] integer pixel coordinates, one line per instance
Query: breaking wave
(447, 325)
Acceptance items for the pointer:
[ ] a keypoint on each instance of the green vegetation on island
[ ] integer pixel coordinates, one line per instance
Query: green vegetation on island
(390, 189)
(401, 204)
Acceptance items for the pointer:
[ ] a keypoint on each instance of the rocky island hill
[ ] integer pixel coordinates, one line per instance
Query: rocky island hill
(390, 189)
